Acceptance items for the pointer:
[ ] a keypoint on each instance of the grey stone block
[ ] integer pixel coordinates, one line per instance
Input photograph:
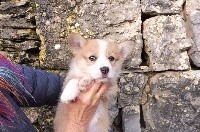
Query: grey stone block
(11, 4)
(17, 14)
(173, 103)
(166, 43)
(193, 21)
(131, 119)
(18, 34)
(51, 28)
(20, 23)
(130, 97)
(155, 7)
(131, 88)
(195, 57)
(21, 46)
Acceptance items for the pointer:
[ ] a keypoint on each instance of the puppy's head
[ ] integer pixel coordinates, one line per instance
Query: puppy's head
(98, 58)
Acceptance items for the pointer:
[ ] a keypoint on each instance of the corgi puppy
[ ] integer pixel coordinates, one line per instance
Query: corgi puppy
(94, 59)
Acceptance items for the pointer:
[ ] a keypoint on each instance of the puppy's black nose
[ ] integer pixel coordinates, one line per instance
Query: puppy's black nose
(104, 70)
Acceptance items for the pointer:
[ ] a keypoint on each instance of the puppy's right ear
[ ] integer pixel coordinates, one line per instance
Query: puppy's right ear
(76, 41)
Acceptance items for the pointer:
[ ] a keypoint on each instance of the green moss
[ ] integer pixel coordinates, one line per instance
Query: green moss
(74, 26)
(1, 44)
(26, 31)
(42, 54)
(33, 5)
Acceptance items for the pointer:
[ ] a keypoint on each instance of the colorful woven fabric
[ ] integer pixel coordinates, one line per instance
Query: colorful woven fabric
(13, 81)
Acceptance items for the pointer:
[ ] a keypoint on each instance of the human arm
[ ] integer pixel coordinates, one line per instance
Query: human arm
(45, 86)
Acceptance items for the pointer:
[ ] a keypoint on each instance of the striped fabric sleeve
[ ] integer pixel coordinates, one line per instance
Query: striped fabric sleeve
(13, 81)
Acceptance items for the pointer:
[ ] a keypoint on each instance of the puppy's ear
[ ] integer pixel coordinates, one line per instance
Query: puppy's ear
(126, 48)
(76, 41)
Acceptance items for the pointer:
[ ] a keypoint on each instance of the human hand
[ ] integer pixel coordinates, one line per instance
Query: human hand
(80, 111)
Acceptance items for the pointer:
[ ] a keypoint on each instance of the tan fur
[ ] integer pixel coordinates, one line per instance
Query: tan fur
(91, 48)
(59, 120)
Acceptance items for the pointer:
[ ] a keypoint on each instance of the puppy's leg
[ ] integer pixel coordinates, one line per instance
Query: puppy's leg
(70, 91)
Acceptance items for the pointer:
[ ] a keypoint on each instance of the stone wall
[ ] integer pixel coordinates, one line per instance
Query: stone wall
(159, 86)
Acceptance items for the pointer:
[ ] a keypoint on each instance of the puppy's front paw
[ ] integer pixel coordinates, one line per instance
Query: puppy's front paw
(86, 83)
(65, 98)
(70, 91)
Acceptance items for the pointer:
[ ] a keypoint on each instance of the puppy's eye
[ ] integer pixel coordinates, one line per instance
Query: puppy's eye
(111, 58)
(92, 58)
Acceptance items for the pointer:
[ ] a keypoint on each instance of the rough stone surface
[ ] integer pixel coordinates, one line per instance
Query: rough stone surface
(130, 97)
(113, 112)
(45, 119)
(51, 28)
(173, 103)
(8, 21)
(193, 21)
(155, 7)
(17, 31)
(166, 43)
(24, 46)
(41, 117)
(18, 34)
(131, 88)
(32, 113)
(9, 5)
(22, 52)
(131, 119)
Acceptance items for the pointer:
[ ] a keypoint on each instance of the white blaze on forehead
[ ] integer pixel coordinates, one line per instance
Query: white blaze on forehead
(102, 47)
(102, 59)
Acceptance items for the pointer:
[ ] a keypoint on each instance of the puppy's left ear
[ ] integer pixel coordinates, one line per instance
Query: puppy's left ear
(76, 41)
(126, 48)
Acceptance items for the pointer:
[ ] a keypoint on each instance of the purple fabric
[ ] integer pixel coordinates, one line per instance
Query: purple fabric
(12, 80)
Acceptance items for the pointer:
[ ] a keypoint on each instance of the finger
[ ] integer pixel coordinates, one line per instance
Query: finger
(90, 94)
(101, 91)
(96, 101)
(94, 89)
(97, 96)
